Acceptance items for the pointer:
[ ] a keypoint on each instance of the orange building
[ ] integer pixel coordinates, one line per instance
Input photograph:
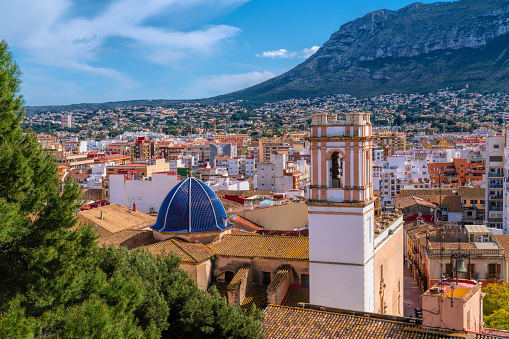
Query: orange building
(229, 138)
(457, 173)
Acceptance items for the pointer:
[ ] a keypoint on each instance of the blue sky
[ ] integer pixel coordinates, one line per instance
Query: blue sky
(74, 51)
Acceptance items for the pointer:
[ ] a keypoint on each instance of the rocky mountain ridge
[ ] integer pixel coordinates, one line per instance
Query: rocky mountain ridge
(418, 48)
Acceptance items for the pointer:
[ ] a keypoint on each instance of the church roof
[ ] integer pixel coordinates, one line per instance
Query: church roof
(314, 321)
(191, 206)
(188, 252)
(263, 246)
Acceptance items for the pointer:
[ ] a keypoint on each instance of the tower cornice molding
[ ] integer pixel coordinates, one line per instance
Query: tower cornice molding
(346, 188)
(320, 203)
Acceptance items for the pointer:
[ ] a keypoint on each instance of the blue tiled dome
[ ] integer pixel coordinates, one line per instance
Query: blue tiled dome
(190, 207)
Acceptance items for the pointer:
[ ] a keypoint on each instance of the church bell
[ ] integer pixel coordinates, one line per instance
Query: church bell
(460, 266)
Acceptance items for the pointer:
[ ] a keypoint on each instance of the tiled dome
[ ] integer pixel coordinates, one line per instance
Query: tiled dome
(191, 207)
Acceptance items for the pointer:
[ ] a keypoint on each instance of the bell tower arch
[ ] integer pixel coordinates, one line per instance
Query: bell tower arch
(341, 212)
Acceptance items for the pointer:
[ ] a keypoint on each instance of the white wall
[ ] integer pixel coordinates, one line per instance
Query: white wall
(146, 194)
(337, 285)
(340, 254)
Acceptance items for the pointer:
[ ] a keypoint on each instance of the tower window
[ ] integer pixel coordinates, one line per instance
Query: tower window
(336, 170)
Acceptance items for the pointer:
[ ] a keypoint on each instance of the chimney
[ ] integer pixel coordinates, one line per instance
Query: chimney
(134, 206)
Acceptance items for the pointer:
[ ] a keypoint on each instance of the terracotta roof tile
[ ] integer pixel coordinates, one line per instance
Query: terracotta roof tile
(265, 246)
(296, 295)
(243, 224)
(503, 241)
(115, 218)
(127, 238)
(241, 274)
(433, 191)
(408, 201)
(191, 253)
(257, 295)
(471, 192)
(292, 322)
(280, 276)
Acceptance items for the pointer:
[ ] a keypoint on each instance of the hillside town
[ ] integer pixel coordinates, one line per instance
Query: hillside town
(444, 111)
(262, 224)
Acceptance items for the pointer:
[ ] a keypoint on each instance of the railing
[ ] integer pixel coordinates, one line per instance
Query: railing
(497, 175)
(473, 252)
(499, 196)
(492, 276)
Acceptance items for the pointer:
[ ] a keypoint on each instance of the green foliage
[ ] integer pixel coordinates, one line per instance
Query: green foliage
(496, 306)
(56, 282)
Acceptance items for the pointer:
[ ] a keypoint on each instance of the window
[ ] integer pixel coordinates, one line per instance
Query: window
(496, 146)
(266, 278)
(473, 201)
(469, 213)
(493, 271)
(448, 270)
(304, 280)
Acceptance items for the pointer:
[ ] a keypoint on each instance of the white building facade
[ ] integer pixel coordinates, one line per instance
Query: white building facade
(148, 194)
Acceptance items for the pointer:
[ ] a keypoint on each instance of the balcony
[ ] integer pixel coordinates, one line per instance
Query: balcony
(495, 175)
(496, 197)
(437, 252)
(492, 276)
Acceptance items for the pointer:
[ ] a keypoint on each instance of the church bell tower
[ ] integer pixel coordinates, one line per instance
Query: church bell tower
(341, 212)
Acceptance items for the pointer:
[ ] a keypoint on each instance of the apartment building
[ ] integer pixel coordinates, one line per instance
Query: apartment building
(200, 151)
(68, 121)
(396, 141)
(457, 173)
(250, 167)
(222, 150)
(239, 139)
(271, 146)
(398, 172)
(143, 149)
(494, 179)
(253, 150)
(237, 166)
(281, 175)
(118, 147)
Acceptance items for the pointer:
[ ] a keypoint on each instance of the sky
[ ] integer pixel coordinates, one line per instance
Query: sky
(76, 51)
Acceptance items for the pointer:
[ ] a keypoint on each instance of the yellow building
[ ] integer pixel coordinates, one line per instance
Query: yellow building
(395, 140)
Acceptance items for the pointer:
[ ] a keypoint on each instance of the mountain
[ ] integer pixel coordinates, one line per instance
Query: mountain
(418, 48)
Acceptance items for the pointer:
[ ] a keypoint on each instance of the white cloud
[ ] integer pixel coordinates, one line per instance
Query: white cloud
(42, 30)
(225, 83)
(286, 54)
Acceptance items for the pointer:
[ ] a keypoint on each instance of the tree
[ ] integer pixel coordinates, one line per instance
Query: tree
(54, 279)
(496, 307)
